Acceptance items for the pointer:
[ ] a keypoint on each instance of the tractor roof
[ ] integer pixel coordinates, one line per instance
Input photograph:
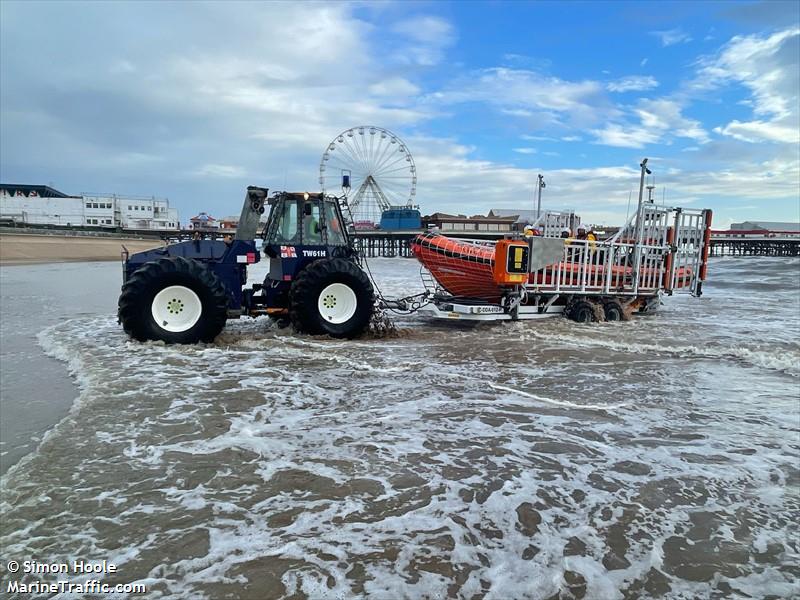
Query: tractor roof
(297, 196)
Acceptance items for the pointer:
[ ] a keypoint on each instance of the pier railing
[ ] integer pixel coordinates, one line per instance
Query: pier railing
(384, 244)
(755, 246)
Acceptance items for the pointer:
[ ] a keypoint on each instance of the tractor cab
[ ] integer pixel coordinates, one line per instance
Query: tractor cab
(303, 220)
(301, 228)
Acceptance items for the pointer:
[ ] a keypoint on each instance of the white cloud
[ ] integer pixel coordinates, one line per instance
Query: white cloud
(759, 131)
(516, 112)
(228, 171)
(266, 105)
(614, 134)
(538, 138)
(768, 67)
(659, 120)
(770, 179)
(452, 181)
(633, 83)
(428, 38)
(765, 65)
(670, 37)
(666, 116)
(549, 99)
(547, 138)
(643, 62)
(428, 29)
(525, 150)
(396, 87)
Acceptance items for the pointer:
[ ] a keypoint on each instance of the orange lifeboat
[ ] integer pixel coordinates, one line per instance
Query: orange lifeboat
(462, 269)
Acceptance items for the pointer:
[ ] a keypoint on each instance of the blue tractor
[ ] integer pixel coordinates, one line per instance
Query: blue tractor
(185, 292)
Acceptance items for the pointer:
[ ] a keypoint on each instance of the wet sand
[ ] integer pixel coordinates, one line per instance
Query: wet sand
(21, 249)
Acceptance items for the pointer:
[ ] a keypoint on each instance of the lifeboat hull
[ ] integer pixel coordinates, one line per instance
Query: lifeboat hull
(463, 270)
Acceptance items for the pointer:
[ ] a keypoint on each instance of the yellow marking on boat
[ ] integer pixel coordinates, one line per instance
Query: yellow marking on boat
(518, 257)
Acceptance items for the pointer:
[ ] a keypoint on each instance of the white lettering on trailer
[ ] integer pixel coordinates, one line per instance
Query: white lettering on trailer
(314, 253)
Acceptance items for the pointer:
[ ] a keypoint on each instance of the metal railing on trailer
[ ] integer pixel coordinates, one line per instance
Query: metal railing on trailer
(551, 223)
(667, 253)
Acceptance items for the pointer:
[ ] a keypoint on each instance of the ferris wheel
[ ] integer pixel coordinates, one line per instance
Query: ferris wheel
(373, 167)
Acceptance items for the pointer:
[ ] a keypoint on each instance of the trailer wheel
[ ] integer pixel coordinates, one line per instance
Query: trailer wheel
(613, 311)
(581, 312)
(280, 321)
(331, 296)
(174, 300)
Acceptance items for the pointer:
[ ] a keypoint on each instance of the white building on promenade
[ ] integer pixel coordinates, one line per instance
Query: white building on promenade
(43, 205)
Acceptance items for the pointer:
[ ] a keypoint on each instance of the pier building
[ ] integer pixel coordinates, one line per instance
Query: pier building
(42, 205)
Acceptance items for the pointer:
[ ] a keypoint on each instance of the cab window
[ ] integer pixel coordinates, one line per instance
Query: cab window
(285, 228)
(333, 225)
(312, 226)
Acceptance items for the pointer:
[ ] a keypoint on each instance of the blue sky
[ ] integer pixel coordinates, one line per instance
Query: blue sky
(195, 101)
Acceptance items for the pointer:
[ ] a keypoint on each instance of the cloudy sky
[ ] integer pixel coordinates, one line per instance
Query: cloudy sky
(194, 101)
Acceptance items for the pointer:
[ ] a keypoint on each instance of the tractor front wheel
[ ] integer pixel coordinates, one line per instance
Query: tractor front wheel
(331, 296)
(174, 300)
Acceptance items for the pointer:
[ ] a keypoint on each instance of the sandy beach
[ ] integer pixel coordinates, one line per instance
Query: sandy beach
(20, 249)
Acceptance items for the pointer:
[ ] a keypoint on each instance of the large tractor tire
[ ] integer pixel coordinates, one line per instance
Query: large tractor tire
(175, 300)
(331, 296)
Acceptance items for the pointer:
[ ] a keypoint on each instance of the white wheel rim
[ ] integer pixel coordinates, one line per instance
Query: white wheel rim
(176, 308)
(337, 303)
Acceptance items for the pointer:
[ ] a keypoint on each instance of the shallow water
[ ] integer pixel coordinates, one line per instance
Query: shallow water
(652, 458)
(35, 390)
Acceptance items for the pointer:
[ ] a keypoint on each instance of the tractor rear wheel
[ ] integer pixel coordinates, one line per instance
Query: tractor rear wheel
(331, 296)
(174, 300)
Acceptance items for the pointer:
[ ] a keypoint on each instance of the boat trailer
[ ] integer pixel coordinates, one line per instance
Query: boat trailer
(660, 251)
